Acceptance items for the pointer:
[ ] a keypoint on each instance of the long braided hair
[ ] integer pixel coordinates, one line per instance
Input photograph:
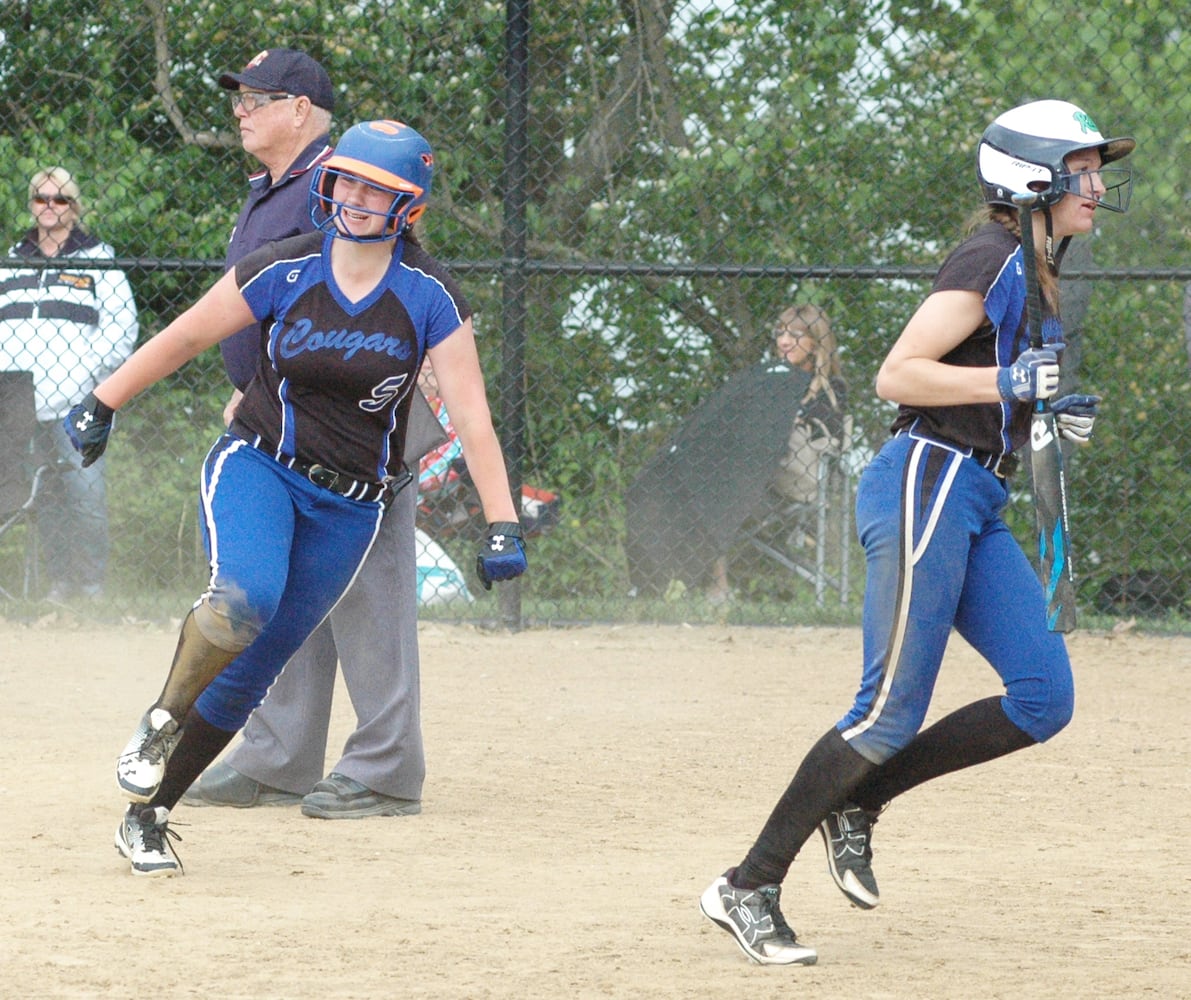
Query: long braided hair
(1048, 276)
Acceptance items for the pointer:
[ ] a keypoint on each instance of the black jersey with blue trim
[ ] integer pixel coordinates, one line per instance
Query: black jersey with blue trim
(335, 378)
(989, 263)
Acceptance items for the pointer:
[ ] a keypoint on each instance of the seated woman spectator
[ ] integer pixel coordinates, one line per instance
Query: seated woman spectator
(715, 473)
(804, 340)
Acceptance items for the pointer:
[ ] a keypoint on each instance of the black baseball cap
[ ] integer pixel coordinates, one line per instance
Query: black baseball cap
(284, 71)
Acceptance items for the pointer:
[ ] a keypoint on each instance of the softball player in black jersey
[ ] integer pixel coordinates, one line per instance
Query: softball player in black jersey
(928, 512)
(293, 495)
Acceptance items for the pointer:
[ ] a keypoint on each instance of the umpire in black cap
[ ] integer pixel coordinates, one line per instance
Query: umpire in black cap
(282, 101)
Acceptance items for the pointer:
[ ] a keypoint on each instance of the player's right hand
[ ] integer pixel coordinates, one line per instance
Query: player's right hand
(1034, 375)
(88, 425)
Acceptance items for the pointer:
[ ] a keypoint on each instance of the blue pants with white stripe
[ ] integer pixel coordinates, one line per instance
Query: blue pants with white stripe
(941, 557)
(282, 552)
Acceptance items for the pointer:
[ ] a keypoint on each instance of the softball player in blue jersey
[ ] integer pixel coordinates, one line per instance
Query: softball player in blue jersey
(292, 496)
(928, 512)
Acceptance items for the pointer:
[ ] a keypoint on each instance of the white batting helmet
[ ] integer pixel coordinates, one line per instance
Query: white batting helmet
(1023, 150)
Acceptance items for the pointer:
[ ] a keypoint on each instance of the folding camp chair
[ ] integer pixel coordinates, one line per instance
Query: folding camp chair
(811, 536)
(21, 473)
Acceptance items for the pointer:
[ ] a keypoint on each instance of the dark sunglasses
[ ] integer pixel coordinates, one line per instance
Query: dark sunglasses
(52, 199)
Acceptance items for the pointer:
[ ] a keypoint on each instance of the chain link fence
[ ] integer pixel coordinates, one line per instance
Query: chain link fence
(635, 196)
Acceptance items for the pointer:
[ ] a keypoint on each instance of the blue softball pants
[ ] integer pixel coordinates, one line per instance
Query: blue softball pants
(939, 556)
(282, 552)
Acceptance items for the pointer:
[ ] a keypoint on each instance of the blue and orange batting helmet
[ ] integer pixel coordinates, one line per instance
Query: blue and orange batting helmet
(388, 155)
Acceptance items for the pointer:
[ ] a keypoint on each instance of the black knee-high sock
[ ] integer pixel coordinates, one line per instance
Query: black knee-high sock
(970, 735)
(199, 744)
(824, 781)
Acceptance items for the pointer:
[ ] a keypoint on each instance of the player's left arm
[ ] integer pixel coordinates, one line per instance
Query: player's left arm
(461, 386)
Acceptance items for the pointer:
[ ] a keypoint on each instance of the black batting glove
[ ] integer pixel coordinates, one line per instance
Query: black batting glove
(88, 425)
(502, 553)
(1075, 415)
(1034, 375)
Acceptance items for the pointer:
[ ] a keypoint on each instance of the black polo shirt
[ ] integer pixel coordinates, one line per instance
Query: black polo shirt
(271, 212)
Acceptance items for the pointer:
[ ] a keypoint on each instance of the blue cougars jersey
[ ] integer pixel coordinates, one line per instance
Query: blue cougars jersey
(334, 380)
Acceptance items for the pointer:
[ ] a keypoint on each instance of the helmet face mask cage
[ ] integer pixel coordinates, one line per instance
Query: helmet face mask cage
(326, 211)
(1116, 181)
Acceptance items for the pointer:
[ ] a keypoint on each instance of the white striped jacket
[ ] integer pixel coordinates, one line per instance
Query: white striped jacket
(68, 325)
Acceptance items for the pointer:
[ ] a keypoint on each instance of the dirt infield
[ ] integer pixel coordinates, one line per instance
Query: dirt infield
(585, 785)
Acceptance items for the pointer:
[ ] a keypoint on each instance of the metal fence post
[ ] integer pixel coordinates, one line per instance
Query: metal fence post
(513, 274)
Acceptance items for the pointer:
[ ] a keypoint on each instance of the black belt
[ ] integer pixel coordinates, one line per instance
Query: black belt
(1000, 464)
(339, 482)
(345, 486)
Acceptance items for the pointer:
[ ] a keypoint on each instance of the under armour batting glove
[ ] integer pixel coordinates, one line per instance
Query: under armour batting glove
(1075, 415)
(502, 553)
(88, 425)
(1034, 375)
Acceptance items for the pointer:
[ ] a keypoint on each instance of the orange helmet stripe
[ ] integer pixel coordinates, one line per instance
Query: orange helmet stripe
(372, 173)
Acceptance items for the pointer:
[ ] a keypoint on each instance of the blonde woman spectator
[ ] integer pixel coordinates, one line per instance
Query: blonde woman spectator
(70, 326)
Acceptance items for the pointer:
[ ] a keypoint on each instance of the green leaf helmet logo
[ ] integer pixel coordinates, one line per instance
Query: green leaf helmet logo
(1084, 120)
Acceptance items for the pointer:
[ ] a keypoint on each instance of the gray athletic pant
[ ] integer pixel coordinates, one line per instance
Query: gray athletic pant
(372, 637)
